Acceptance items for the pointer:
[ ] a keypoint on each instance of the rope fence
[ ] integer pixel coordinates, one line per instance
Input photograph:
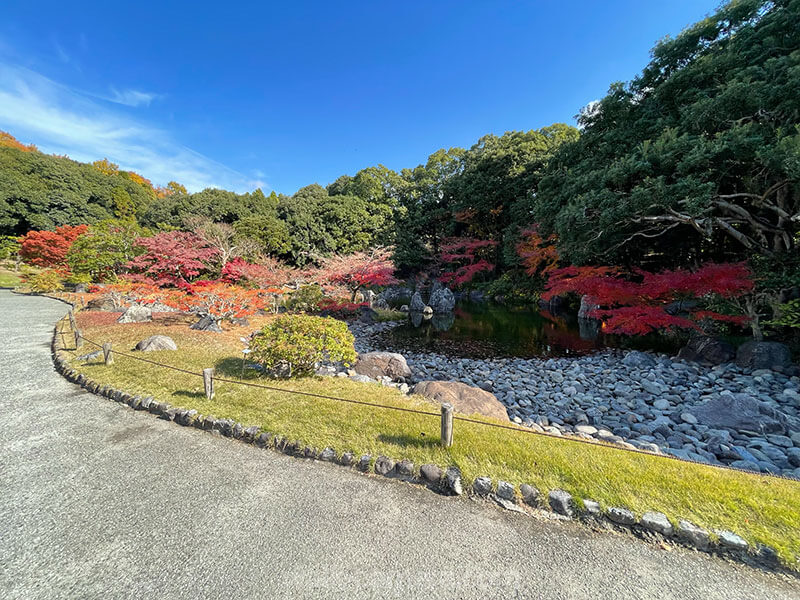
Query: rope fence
(446, 415)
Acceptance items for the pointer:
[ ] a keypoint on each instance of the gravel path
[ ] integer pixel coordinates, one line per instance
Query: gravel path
(99, 501)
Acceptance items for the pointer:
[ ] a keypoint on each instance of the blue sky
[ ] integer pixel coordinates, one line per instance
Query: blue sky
(281, 95)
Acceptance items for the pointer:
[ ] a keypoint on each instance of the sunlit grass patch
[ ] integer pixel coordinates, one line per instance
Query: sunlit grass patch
(761, 509)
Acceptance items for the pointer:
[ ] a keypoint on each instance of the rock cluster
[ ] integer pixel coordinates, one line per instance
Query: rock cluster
(722, 415)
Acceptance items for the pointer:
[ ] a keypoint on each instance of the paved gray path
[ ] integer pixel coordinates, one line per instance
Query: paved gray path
(98, 501)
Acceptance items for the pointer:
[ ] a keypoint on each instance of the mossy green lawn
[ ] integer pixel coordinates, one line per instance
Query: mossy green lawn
(760, 509)
(9, 279)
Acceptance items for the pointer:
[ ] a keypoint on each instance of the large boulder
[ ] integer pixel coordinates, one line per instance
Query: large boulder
(136, 314)
(417, 305)
(442, 300)
(638, 360)
(155, 343)
(465, 399)
(707, 350)
(206, 323)
(379, 364)
(588, 304)
(763, 355)
(105, 303)
(368, 315)
(395, 294)
(740, 412)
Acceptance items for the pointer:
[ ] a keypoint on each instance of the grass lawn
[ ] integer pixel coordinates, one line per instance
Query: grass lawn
(760, 509)
(9, 278)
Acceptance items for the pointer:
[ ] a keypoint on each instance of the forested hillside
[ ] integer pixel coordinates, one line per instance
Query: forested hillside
(696, 159)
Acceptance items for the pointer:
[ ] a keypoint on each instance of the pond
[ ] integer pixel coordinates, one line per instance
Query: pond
(484, 330)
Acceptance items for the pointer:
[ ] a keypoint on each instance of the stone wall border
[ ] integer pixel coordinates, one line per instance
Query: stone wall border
(652, 526)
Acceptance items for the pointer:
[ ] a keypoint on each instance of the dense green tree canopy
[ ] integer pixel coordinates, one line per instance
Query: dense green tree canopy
(39, 191)
(320, 224)
(219, 206)
(698, 157)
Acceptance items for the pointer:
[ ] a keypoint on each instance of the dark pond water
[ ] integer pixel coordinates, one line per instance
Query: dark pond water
(490, 330)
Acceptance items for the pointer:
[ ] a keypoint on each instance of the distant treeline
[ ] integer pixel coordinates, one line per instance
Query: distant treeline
(696, 159)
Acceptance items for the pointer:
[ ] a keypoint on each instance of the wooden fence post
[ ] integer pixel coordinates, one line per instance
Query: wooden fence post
(109, 358)
(447, 425)
(78, 339)
(208, 383)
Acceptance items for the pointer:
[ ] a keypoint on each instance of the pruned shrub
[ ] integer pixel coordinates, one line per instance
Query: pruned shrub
(292, 345)
(44, 282)
(306, 298)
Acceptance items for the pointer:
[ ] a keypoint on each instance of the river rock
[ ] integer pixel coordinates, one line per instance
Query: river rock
(155, 343)
(763, 355)
(561, 502)
(707, 350)
(465, 399)
(739, 412)
(656, 521)
(638, 360)
(442, 300)
(136, 314)
(379, 364)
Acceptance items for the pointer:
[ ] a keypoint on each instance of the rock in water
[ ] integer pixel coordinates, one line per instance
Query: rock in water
(465, 399)
(136, 314)
(206, 323)
(155, 343)
(442, 301)
(707, 350)
(417, 305)
(763, 355)
(378, 364)
(740, 412)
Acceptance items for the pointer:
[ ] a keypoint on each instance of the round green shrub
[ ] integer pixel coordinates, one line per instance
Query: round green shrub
(294, 344)
(306, 298)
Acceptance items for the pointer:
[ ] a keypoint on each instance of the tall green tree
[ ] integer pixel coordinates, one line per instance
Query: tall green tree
(695, 159)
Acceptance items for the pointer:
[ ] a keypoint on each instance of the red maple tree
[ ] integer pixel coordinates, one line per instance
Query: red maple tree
(216, 299)
(49, 248)
(171, 259)
(640, 302)
(538, 255)
(267, 273)
(465, 257)
(358, 270)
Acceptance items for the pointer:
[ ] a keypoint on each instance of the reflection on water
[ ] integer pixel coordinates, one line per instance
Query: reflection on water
(486, 330)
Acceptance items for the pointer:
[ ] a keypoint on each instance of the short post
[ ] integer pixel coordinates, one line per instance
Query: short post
(447, 425)
(109, 358)
(78, 338)
(208, 383)
(72, 320)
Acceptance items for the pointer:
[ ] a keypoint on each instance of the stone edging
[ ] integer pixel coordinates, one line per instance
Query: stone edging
(652, 526)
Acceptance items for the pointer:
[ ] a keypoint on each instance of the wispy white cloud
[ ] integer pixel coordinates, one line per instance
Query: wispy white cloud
(61, 120)
(131, 97)
(61, 53)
